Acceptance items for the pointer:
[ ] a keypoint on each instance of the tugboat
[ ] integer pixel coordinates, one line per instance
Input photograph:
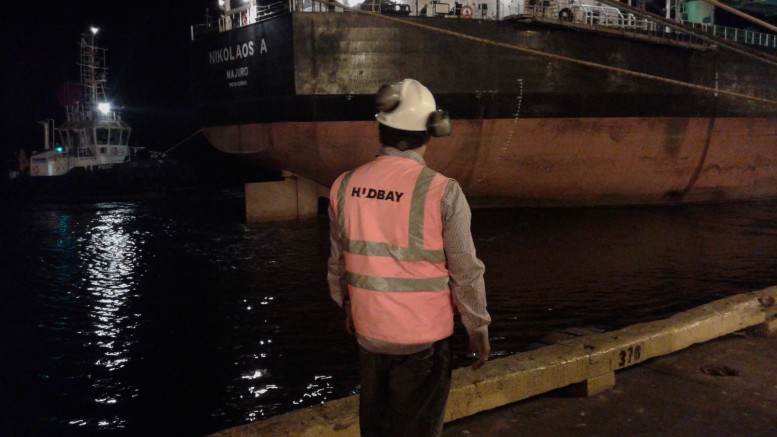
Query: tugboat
(94, 135)
(88, 157)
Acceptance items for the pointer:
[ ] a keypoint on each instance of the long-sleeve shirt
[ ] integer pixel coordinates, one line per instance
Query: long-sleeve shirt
(465, 270)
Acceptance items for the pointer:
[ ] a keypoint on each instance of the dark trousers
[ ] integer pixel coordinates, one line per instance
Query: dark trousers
(404, 395)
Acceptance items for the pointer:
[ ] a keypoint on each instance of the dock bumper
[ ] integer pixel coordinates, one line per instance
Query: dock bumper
(292, 198)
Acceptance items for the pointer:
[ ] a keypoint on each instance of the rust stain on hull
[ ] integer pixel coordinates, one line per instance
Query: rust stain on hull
(545, 162)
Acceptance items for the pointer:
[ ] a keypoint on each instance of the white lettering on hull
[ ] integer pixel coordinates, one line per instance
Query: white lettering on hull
(237, 73)
(236, 52)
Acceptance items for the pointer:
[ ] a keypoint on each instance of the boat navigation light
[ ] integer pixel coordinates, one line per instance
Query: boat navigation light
(94, 30)
(104, 107)
(221, 3)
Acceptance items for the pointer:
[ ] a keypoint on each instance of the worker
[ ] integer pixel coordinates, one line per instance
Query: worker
(402, 259)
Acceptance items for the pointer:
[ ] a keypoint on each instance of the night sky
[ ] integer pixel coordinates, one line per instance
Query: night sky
(148, 59)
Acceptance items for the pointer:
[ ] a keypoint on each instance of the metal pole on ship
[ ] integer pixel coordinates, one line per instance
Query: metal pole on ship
(225, 4)
(46, 144)
(678, 11)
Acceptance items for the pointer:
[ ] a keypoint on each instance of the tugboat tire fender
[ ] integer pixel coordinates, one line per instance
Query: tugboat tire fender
(565, 14)
(467, 11)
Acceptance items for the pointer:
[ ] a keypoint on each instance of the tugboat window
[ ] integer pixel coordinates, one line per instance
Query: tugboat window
(125, 134)
(115, 137)
(86, 137)
(102, 136)
(78, 137)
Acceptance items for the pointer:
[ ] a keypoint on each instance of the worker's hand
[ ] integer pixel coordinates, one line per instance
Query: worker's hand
(348, 319)
(480, 345)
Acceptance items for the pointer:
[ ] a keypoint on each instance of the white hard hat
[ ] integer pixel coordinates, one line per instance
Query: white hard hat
(405, 105)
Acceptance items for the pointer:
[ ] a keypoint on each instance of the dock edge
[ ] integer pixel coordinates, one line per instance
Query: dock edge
(588, 363)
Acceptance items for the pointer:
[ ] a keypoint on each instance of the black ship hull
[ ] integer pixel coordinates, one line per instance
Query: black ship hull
(295, 93)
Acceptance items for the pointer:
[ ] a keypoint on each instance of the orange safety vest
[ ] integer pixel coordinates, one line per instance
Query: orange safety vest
(390, 223)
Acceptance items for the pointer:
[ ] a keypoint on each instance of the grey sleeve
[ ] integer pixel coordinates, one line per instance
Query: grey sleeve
(338, 287)
(464, 268)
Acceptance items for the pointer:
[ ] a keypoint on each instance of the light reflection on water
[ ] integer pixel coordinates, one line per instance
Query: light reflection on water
(175, 318)
(110, 256)
(93, 269)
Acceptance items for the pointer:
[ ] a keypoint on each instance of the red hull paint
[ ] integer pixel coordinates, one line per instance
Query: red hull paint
(545, 162)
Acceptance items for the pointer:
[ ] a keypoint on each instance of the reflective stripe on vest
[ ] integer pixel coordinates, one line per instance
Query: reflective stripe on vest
(399, 291)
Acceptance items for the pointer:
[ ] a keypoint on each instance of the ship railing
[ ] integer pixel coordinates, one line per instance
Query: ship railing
(108, 116)
(545, 10)
(199, 30)
(737, 35)
(613, 18)
(316, 6)
(77, 113)
(250, 14)
(608, 16)
(591, 15)
(239, 17)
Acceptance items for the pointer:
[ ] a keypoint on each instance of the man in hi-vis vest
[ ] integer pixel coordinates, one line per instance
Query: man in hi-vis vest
(402, 258)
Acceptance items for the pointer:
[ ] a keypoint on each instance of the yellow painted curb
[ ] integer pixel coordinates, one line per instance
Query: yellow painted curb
(591, 360)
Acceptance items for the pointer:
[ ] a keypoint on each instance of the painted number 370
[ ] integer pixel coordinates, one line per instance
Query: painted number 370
(629, 355)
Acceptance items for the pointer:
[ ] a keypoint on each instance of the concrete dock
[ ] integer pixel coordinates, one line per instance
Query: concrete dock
(725, 388)
(711, 370)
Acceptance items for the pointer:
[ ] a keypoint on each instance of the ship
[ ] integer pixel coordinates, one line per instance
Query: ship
(88, 156)
(554, 103)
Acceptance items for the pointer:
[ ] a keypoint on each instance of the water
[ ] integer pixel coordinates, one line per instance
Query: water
(175, 318)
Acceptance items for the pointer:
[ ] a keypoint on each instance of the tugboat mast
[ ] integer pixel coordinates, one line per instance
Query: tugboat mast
(94, 76)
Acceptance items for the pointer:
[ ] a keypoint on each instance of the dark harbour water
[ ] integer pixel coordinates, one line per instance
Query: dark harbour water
(174, 318)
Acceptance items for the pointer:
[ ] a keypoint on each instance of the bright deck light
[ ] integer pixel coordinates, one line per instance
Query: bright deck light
(104, 107)
(94, 30)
